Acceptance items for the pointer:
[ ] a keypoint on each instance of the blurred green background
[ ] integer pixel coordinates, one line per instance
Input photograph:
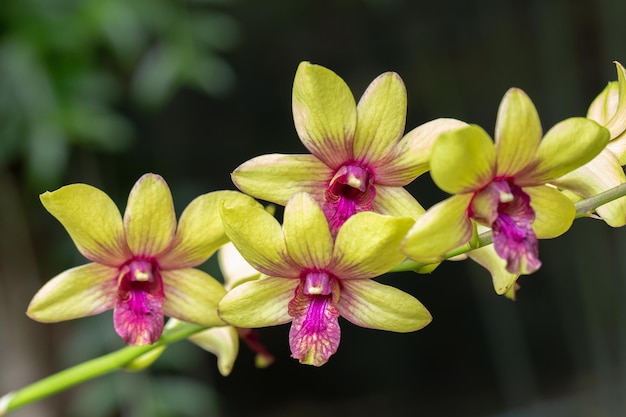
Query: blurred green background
(102, 91)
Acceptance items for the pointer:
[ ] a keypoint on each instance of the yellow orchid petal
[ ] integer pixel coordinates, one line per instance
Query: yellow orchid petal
(598, 175)
(396, 201)
(518, 132)
(223, 342)
(381, 115)
(410, 158)
(307, 234)
(372, 305)
(442, 228)
(78, 292)
(367, 245)
(149, 220)
(92, 220)
(259, 303)
(192, 295)
(609, 107)
(554, 212)
(324, 112)
(567, 146)
(277, 177)
(487, 257)
(259, 238)
(471, 145)
(200, 231)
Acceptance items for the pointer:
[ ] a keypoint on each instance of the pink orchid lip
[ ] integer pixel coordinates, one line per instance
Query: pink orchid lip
(317, 283)
(350, 191)
(138, 315)
(510, 218)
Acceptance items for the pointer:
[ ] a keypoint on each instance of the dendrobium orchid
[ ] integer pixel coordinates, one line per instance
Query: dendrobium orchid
(359, 160)
(504, 185)
(605, 171)
(142, 265)
(313, 277)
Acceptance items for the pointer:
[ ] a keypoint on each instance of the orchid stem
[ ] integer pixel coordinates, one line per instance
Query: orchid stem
(583, 209)
(89, 370)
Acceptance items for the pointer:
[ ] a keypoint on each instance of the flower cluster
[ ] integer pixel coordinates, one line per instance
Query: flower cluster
(347, 219)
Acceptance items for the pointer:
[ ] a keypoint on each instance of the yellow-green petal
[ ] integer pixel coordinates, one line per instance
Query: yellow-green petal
(609, 107)
(381, 115)
(598, 175)
(518, 132)
(307, 234)
(367, 245)
(324, 112)
(200, 231)
(92, 220)
(463, 160)
(78, 292)
(554, 212)
(259, 238)
(487, 257)
(223, 342)
(276, 177)
(370, 304)
(396, 201)
(259, 303)
(442, 228)
(567, 146)
(410, 158)
(192, 295)
(149, 220)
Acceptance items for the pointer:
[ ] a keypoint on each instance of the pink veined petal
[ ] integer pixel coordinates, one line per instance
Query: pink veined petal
(381, 115)
(324, 112)
(315, 334)
(276, 177)
(410, 158)
(149, 220)
(78, 292)
(92, 220)
(138, 315)
(192, 295)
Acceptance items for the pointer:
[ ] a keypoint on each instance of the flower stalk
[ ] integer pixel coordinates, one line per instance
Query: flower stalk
(89, 370)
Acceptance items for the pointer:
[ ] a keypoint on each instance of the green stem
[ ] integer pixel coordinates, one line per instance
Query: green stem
(90, 369)
(584, 208)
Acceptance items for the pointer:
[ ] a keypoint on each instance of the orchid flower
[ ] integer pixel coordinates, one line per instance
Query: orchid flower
(359, 160)
(605, 171)
(313, 277)
(142, 265)
(504, 185)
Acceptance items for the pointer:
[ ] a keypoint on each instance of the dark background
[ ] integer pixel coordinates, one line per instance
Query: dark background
(102, 92)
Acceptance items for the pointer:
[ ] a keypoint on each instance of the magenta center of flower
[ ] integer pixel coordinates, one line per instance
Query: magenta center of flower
(506, 208)
(314, 334)
(138, 315)
(350, 191)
